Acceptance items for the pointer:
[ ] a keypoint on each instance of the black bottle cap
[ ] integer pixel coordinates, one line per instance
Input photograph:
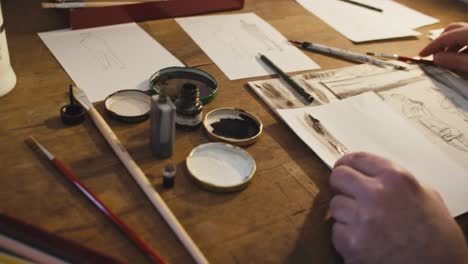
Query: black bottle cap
(73, 113)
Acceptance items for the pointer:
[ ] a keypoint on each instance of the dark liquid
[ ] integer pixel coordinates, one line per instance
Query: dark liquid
(236, 128)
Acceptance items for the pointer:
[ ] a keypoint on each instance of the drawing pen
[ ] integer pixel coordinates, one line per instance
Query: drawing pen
(145, 248)
(401, 58)
(299, 89)
(363, 5)
(346, 54)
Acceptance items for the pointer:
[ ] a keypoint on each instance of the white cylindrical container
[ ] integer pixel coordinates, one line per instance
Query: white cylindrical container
(7, 75)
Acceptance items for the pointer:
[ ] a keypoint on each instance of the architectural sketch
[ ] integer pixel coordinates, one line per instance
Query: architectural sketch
(260, 37)
(417, 110)
(452, 102)
(101, 51)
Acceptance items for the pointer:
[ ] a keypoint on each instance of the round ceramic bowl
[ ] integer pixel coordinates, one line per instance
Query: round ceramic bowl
(170, 80)
(220, 167)
(232, 125)
(128, 106)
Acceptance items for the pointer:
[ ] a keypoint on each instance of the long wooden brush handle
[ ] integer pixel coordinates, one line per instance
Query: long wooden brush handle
(146, 186)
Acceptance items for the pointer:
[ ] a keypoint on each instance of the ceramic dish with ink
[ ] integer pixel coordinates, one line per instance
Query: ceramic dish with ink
(128, 106)
(170, 80)
(233, 125)
(220, 167)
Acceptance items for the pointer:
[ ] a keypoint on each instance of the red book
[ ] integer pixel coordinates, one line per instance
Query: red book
(103, 16)
(35, 244)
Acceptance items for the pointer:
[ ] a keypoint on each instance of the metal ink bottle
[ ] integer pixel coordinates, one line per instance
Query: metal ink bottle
(188, 108)
(162, 122)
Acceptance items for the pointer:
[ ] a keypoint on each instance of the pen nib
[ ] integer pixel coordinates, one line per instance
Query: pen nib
(295, 42)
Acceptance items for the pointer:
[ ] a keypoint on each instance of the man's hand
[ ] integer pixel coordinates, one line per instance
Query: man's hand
(384, 215)
(446, 48)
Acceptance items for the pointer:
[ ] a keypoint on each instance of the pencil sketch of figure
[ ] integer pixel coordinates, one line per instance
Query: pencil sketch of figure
(101, 51)
(416, 110)
(261, 37)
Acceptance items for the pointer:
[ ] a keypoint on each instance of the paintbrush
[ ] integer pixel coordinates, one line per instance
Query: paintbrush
(401, 58)
(66, 5)
(150, 253)
(139, 177)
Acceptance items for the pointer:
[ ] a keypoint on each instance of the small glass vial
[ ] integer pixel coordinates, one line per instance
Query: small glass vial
(188, 108)
(168, 174)
(162, 134)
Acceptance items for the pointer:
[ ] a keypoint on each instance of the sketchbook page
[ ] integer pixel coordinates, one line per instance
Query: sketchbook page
(103, 60)
(233, 42)
(437, 111)
(365, 123)
(361, 24)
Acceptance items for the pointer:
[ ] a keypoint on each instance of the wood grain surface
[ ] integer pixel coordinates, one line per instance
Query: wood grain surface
(279, 218)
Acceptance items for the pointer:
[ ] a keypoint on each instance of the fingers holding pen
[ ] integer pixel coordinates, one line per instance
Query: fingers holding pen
(456, 37)
(455, 25)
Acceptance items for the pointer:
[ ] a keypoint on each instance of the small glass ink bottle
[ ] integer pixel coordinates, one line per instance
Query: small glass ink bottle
(188, 108)
(168, 174)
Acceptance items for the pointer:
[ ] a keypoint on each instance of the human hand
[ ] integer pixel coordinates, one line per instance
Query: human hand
(384, 215)
(446, 48)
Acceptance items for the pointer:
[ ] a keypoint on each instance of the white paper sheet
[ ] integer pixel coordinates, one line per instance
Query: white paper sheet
(435, 33)
(233, 42)
(361, 24)
(365, 123)
(107, 59)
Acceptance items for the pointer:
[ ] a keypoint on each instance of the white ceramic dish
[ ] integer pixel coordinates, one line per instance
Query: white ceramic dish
(221, 167)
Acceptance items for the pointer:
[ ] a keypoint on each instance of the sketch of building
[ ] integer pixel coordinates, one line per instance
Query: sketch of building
(417, 110)
(101, 51)
(260, 37)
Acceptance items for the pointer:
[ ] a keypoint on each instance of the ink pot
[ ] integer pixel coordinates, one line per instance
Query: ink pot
(188, 108)
(72, 114)
(172, 79)
(232, 125)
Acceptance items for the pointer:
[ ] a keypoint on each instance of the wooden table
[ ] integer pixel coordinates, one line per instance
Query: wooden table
(277, 219)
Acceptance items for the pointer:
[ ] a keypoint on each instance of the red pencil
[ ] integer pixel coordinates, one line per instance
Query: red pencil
(150, 253)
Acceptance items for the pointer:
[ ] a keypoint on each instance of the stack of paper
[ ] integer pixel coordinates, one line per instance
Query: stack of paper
(361, 24)
(365, 123)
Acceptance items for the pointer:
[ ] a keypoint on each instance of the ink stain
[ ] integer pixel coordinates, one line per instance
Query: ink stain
(236, 128)
(275, 93)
